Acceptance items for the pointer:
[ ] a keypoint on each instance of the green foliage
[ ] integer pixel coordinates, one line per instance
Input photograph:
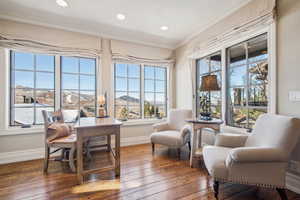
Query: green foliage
(150, 110)
(124, 113)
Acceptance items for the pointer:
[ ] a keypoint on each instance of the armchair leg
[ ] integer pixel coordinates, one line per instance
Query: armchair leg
(282, 193)
(153, 148)
(178, 153)
(216, 189)
(189, 143)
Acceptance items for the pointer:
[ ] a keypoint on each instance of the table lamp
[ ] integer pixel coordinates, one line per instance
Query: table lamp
(102, 106)
(208, 83)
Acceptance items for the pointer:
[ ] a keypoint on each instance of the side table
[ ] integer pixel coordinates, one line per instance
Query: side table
(198, 125)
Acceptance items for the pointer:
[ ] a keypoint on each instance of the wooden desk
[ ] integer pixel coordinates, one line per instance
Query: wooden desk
(196, 138)
(90, 127)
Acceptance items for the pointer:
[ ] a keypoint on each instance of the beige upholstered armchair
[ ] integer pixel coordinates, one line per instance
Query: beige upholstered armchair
(174, 133)
(258, 159)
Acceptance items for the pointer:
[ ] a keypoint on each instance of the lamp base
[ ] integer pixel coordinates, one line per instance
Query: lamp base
(205, 116)
(102, 116)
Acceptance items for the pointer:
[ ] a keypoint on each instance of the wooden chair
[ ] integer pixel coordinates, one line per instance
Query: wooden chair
(66, 144)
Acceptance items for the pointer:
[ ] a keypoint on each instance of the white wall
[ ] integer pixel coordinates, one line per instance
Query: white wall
(288, 42)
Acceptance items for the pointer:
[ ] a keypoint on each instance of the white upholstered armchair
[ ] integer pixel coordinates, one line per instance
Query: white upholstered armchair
(258, 159)
(175, 132)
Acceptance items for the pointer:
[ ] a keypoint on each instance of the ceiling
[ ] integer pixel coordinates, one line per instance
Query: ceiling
(143, 20)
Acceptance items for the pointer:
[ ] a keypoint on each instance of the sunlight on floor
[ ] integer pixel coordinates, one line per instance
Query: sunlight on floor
(103, 185)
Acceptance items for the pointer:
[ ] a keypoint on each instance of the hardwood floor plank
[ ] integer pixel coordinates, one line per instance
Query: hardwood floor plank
(143, 176)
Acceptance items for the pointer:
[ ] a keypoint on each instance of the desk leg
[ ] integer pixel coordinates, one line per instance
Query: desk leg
(79, 160)
(108, 143)
(194, 143)
(117, 162)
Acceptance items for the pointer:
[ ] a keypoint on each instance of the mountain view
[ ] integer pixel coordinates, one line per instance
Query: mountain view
(44, 100)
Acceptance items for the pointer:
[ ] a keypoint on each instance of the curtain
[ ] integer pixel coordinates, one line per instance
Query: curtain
(192, 70)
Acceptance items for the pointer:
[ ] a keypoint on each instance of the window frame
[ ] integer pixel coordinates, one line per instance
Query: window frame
(61, 90)
(154, 91)
(270, 30)
(57, 89)
(142, 90)
(12, 70)
(208, 73)
(246, 85)
(128, 91)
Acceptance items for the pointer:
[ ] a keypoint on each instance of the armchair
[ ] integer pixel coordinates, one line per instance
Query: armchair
(174, 133)
(258, 159)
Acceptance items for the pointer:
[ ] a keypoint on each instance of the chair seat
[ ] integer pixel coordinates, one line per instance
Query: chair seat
(64, 140)
(170, 138)
(215, 160)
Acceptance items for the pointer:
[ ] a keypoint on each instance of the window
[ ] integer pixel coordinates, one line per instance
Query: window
(127, 91)
(78, 85)
(247, 80)
(155, 82)
(32, 87)
(210, 65)
(132, 101)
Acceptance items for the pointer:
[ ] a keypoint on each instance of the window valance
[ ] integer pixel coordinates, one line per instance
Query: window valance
(128, 58)
(131, 52)
(42, 39)
(254, 16)
(39, 47)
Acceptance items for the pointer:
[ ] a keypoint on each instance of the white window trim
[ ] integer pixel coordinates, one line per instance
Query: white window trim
(272, 49)
(5, 128)
(142, 121)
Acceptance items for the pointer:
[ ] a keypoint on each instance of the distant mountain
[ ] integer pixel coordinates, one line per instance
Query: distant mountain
(129, 99)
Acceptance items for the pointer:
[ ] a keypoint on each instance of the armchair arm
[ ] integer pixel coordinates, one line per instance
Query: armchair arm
(256, 154)
(230, 140)
(185, 130)
(161, 126)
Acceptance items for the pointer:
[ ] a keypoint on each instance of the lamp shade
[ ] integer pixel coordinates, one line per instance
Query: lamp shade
(101, 100)
(209, 83)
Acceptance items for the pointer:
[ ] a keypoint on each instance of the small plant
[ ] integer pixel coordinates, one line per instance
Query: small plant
(124, 114)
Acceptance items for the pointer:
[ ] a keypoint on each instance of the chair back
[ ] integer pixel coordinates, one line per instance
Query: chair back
(275, 131)
(51, 117)
(177, 118)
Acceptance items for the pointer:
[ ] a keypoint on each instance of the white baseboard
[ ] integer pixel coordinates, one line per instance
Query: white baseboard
(32, 154)
(17, 156)
(293, 182)
(135, 140)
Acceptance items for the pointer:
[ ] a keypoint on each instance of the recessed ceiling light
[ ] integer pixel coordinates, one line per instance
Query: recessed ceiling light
(164, 28)
(62, 3)
(121, 16)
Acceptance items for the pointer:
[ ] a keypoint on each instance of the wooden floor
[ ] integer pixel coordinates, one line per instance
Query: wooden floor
(143, 176)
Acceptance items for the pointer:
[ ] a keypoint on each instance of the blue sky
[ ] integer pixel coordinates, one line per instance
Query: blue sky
(128, 75)
(128, 79)
(45, 80)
